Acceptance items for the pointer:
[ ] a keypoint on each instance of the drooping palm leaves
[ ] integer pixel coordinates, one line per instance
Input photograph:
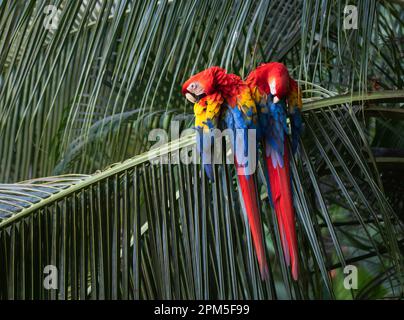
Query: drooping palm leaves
(83, 96)
(197, 244)
(108, 57)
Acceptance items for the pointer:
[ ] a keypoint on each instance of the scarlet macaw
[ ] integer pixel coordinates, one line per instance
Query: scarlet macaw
(272, 88)
(221, 98)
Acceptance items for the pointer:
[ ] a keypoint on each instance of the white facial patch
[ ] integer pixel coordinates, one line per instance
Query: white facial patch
(192, 87)
(195, 88)
(272, 87)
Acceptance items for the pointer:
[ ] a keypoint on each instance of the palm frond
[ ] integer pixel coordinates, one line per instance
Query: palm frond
(110, 57)
(197, 243)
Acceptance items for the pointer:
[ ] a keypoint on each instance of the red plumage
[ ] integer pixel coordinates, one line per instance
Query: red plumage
(279, 179)
(249, 195)
(215, 81)
(273, 78)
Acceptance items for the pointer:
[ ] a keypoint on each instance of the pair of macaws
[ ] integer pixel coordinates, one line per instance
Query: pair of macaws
(268, 101)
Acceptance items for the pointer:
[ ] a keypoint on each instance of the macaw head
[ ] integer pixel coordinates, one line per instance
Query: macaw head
(213, 82)
(202, 84)
(270, 78)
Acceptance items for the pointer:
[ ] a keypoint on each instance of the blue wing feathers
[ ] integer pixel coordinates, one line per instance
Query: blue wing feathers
(274, 128)
(235, 120)
(203, 146)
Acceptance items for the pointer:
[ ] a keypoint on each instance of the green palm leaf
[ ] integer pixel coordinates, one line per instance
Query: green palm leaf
(85, 95)
(197, 243)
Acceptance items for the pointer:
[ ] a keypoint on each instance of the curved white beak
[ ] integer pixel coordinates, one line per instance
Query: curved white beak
(190, 97)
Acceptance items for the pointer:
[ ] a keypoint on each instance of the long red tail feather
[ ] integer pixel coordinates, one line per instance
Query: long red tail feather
(279, 178)
(249, 194)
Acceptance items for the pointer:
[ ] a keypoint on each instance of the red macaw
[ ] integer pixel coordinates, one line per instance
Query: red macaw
(221, 98)
(272, 88)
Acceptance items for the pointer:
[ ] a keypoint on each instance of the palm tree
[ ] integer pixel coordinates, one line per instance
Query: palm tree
(82, 83)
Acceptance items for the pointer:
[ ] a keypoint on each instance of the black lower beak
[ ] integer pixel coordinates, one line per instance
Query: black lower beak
(199, 97)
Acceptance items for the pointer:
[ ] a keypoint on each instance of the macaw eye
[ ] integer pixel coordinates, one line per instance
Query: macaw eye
(193, 87)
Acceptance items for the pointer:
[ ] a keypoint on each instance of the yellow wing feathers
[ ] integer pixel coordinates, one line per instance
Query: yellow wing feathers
(207, 110)
(246, 103)
(258, 96)
(295, 97)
